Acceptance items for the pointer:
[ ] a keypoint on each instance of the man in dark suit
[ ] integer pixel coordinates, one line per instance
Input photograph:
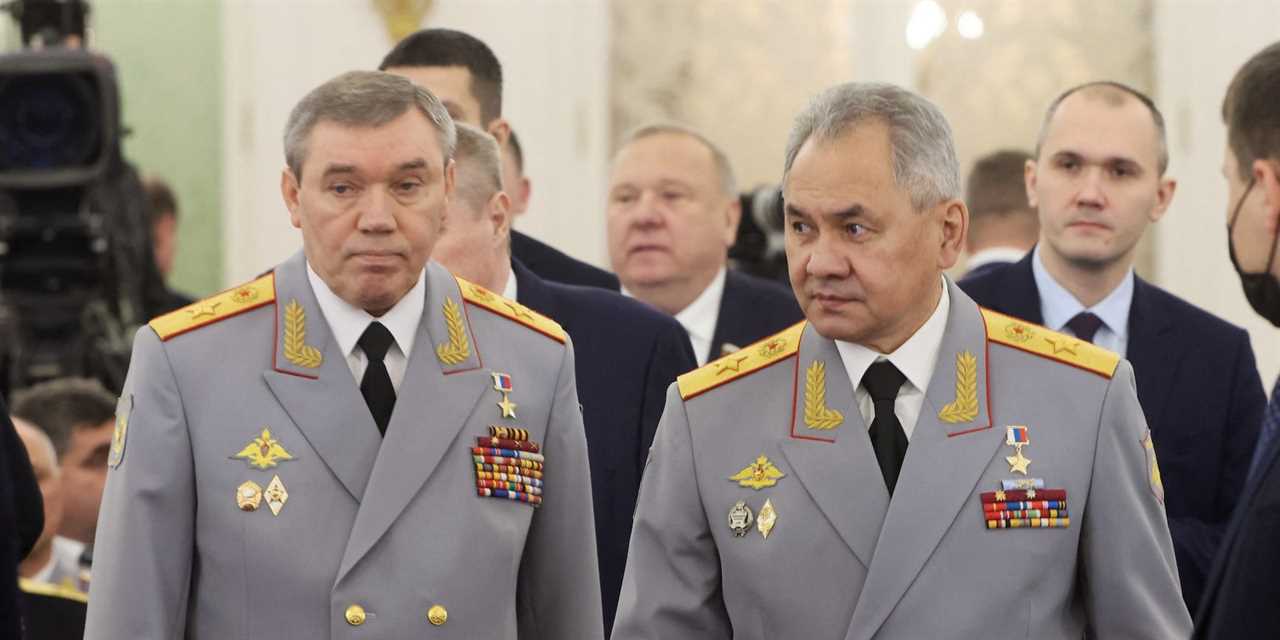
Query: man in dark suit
(1241, 593)
(1098, 181)
(673, 213)
(1002, 226)
(627, 352)
(467, 76)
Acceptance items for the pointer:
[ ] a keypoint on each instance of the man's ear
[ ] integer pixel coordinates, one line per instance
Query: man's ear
(1164, 196)
(955, 228)
(498, 211)
(500, 129)
(1029, 179)
(733, 215)
(1266, 174)
(291, 191)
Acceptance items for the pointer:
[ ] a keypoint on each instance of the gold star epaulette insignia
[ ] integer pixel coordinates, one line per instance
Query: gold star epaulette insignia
(221, 306)
(741, 363)
(511, 310)
(1035, 339)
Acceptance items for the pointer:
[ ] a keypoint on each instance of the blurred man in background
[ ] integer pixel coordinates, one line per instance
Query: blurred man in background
(673, 213)
(1003, 226)
(164, 235)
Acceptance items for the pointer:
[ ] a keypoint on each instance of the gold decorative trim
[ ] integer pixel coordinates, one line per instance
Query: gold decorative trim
(458, 348)
(817, 415)
(296, 350)
(965, 407)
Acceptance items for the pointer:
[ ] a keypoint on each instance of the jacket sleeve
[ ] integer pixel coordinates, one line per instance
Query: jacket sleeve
(144, 543)
(1128, 569)
(559, 584)
(671, 589)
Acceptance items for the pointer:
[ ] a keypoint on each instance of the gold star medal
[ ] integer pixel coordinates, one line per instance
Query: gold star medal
(758, 475)
(1017, 436)
(264, 451)
(502, 384)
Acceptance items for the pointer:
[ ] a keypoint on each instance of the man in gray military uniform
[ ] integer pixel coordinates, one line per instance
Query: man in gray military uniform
(356, 444)
(903, 464)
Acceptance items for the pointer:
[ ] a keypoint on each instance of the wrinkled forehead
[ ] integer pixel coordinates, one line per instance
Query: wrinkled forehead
(408, 142)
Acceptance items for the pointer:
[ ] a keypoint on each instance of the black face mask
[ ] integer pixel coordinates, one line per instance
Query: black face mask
(1261, 289)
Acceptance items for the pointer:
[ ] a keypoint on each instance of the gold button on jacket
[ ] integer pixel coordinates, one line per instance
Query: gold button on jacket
(355, 615)
(438, 615)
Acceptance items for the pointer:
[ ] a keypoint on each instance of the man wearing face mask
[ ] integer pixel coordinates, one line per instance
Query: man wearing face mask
(1240, 595)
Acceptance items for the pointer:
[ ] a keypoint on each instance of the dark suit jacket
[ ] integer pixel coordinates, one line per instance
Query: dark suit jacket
(550, 263)
(1199, 388)
(627, 354)
(21, 519)
(752, 308)
(1241, 593)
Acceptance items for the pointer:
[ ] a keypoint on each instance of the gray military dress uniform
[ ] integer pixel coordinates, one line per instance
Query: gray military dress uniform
(770, 426)
(251, 495)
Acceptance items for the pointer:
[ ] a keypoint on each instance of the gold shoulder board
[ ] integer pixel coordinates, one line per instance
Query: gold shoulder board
(217, 307)
(741, 363)
(511, 310)
(1036, 339)
(66, 592)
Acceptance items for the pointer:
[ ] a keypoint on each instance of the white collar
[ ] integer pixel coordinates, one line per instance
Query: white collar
(994, 254)
(916, 358)
(1058, 306)
(699, 318)
(512, 288)
(348, 322)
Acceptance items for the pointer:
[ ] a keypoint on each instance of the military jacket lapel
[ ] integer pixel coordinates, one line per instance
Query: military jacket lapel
(951, 446)
(312, 381)
(442, 384)
(829, 449)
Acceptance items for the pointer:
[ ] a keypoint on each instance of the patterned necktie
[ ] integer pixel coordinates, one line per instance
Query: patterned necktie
(376, 386)
(1267, 435)
(882, 381)
(1085, 325)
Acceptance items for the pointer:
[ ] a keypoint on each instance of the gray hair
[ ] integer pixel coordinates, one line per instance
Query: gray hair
(362, 99)
(1114, 94)
(724, 170)
(924, 156)
(479, 165)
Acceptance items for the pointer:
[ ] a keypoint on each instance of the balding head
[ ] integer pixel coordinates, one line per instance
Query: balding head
(44, 461)
(1116, 95)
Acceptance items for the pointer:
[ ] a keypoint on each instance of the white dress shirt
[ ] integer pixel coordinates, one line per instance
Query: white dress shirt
(511, 290)
(348, 322)
(1058, 307)
(916, 359)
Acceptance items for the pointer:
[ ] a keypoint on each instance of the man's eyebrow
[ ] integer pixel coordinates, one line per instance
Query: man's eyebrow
(852, 211)
(338, 169)
(416, 163)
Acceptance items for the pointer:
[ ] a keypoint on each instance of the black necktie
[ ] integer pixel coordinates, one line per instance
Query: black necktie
(376, 385)
(1085, 325)
(883, 380)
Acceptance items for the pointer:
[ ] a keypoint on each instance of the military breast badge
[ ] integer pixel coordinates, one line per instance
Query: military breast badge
(740, 519)
(276, 495)
(248, 496)
(758, 475)
(767, 518)
(1025, 509)
(264, 451)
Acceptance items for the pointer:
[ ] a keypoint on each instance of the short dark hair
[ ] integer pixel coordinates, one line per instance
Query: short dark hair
(450, 48)
(517, 152)
(1251, 110)
(1114, 91)
(996, 185)
(160, 197)
(58, 407)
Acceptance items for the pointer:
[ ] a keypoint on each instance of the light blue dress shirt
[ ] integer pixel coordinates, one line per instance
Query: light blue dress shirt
(1058, 306)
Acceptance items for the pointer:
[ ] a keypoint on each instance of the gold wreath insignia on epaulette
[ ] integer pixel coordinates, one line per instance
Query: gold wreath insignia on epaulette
(296, 349)
(965, 407)
(458, 348)
(817, 415)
